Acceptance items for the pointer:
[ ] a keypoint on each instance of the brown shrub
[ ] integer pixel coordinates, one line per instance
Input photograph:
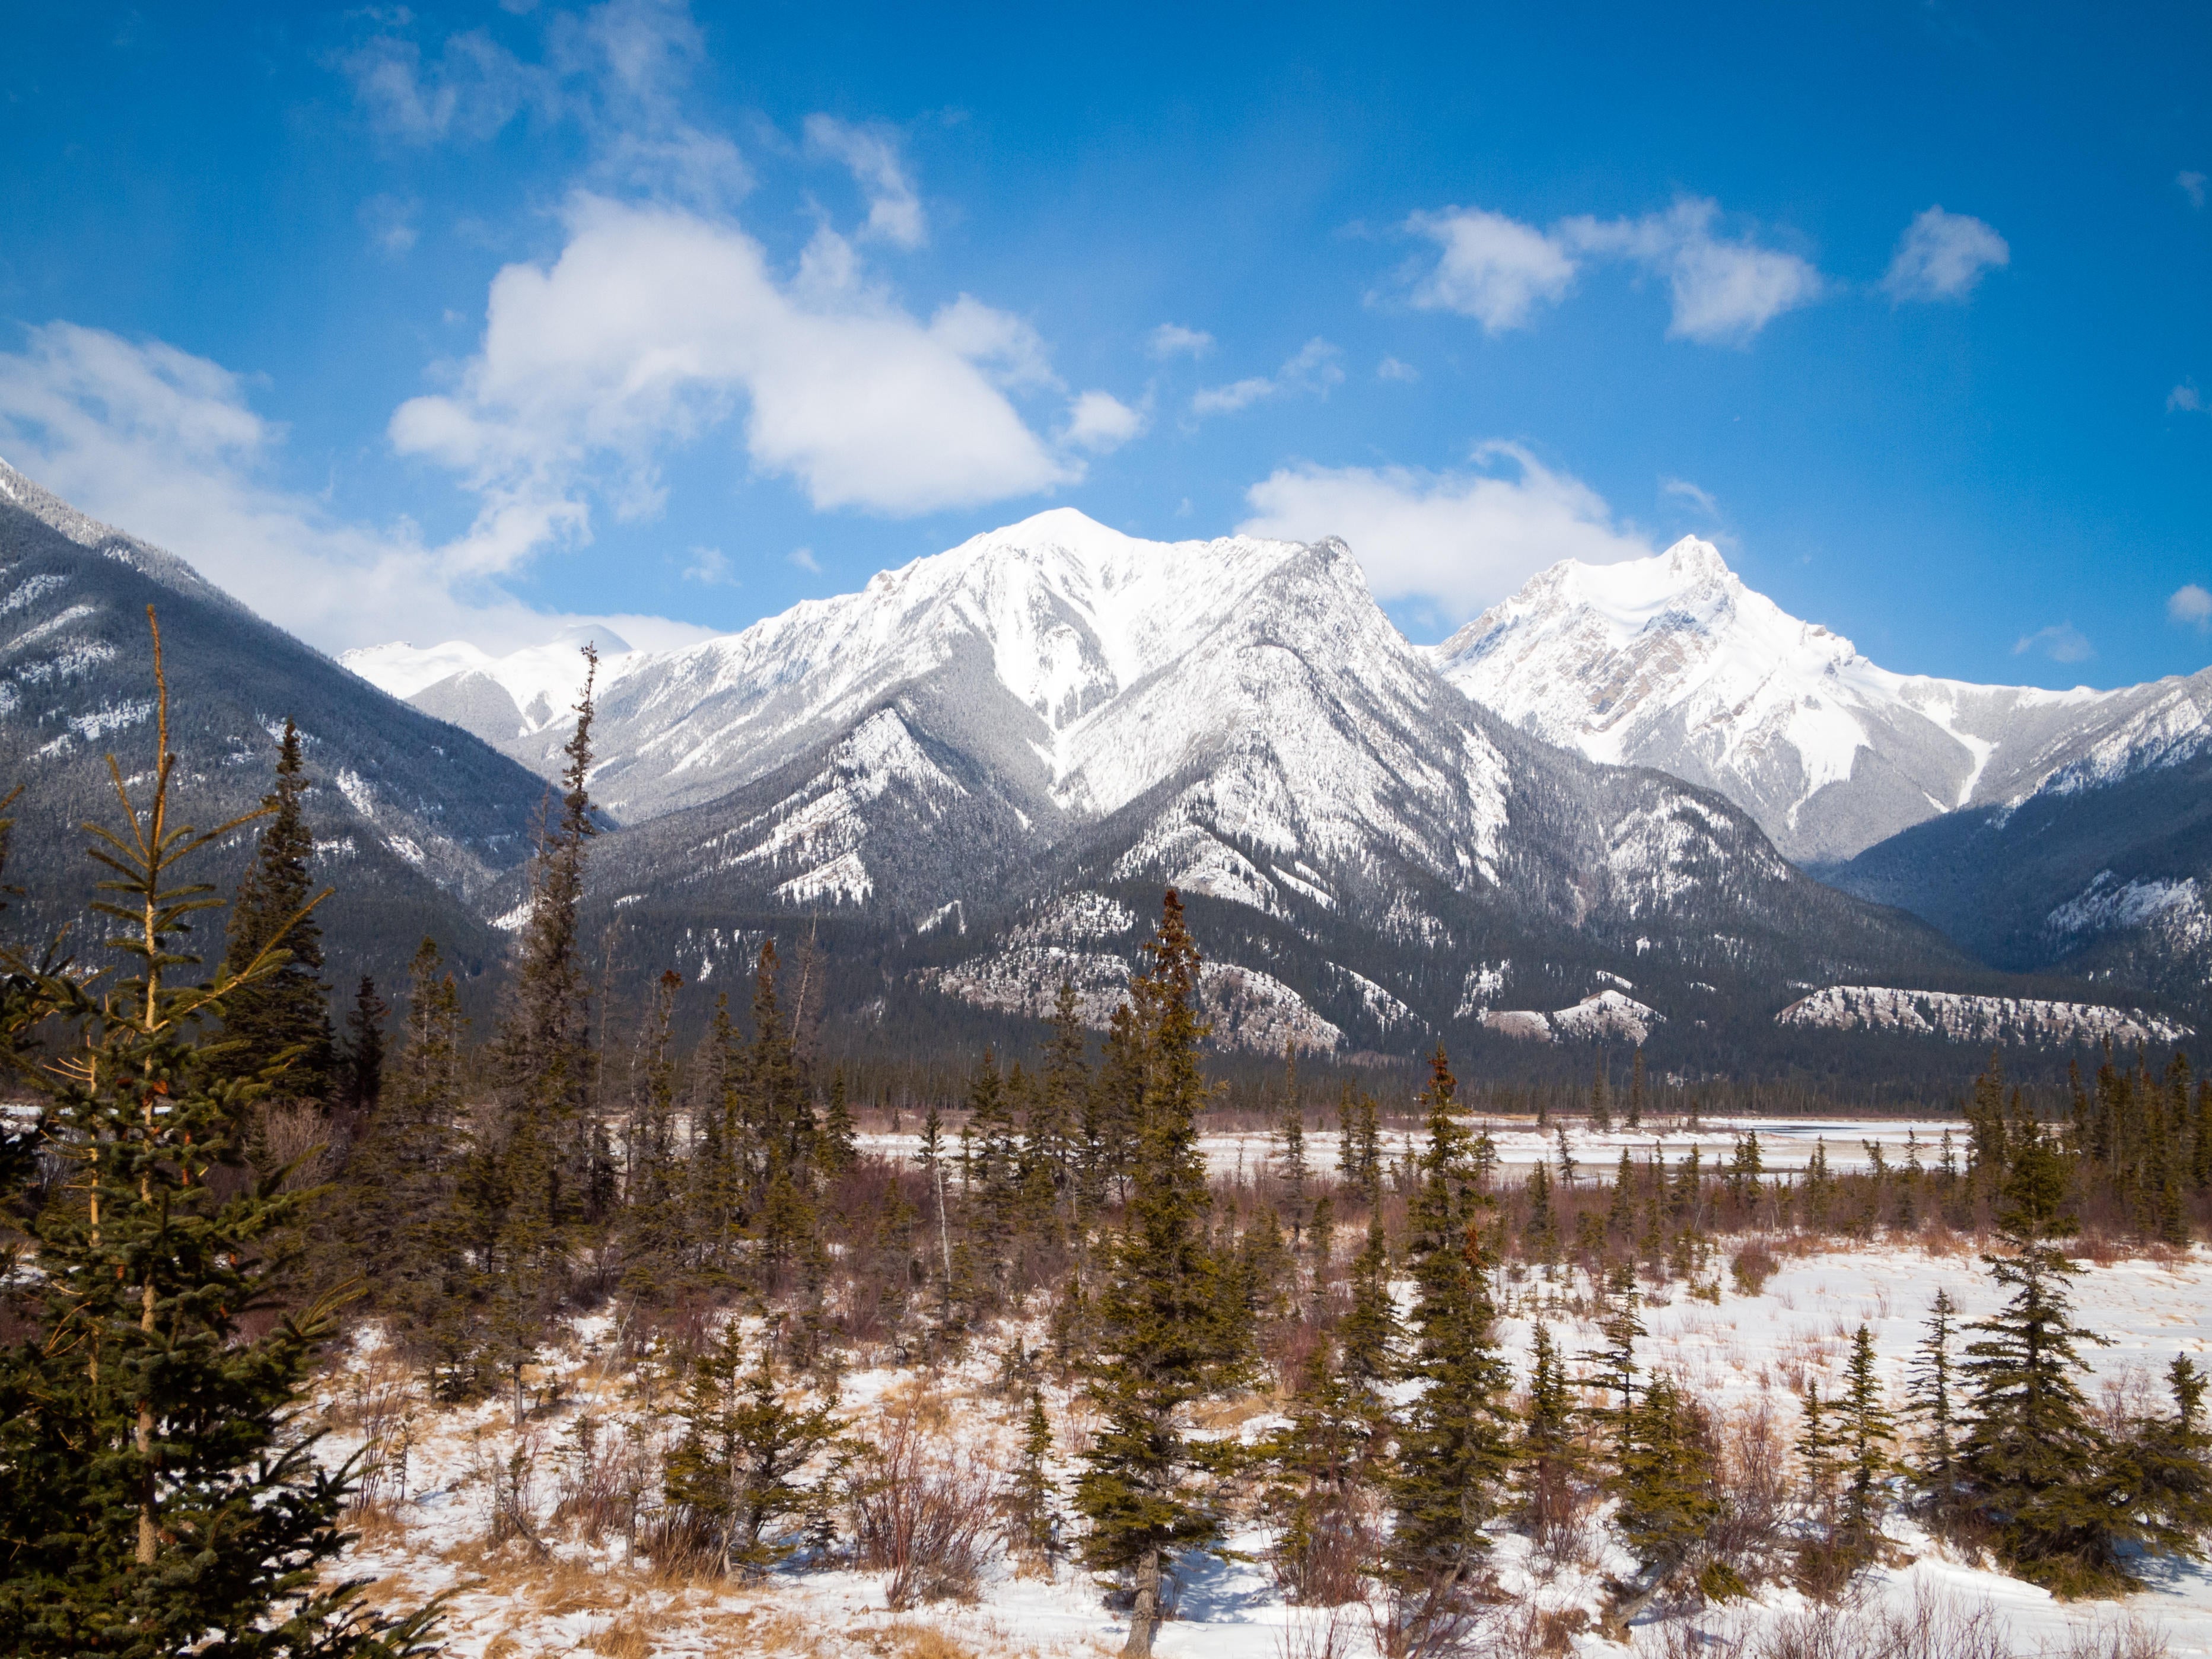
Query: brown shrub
(924, 1509)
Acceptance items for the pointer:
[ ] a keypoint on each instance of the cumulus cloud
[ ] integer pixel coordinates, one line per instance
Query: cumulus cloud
(2191, 606)
(1173, 340)
(166, 446)
(895, 213)
(1460, 539)
(2192, 186)
(1941, 256)
(1099, 422)
(1493, 269)
(656, 323)
(711, 568)
(1314, 369)
(1723, 289)
(2185, 399)
(2061, 642)
(1391, 369)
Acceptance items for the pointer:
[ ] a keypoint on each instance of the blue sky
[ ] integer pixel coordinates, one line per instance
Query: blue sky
(458, 320)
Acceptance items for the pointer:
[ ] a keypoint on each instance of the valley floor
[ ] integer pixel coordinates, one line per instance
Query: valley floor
(450, 1471)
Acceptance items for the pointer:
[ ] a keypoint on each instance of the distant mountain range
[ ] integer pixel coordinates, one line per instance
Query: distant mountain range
(972, 778)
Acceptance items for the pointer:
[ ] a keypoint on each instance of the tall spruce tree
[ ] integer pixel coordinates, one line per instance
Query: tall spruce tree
(1456, 1444)
(1165, 1339)
(281, 1016)
(156, 1494)
(2033, 1459)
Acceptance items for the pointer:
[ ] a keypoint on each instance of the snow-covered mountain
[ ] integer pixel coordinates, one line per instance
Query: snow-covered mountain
(414, 821)
(1671, 662)
(503, 700)
(1055, 715)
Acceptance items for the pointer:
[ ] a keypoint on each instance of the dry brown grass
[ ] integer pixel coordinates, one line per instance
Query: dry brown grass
(625, 1638)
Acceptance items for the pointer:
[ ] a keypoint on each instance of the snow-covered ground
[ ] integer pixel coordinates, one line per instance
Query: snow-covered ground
(1737, 1353)
(1785, 1143)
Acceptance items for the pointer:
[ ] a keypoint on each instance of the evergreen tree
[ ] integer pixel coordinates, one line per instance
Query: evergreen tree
(155, 1496)
(1864, 1433)
(1456, 1444)
(2033, 1461)
(839, 1150)
(1933, 1381)
(1600, 1114)
(1370, 1334)
(361, 1086)
(1666, 1487)
(281, 1017)
(1029, 1500)
(1165, 1341)
(1636, 1092)
(735, 1473)
(1548, 1456)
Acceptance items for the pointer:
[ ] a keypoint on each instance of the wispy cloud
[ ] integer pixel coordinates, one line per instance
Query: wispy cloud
(2192, 186)
(2061, 642)
(1941, 256)
(2191, 606)
(1492, 268)
(1724, 287)
(1391, 369)
(2185, 399)
(1314, 369)
(871, 155)
(1689, 492)
(1173, 340)
(710, 567)
(803, 559)
(1460, 539)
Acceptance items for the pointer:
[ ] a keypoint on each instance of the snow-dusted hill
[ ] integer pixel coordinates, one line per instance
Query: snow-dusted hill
(1671, 662)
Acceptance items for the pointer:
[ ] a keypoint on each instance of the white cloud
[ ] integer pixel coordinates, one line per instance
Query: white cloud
(2192, 186)
(1462, 540)
(1391, 369)
(804, 558)
(1099, 422)
(1314, 369)
(711, 568)
(895, 213)
(1723, 289)
(1702, 499)
(2185, 399)
(390, 222)
(1173, 340)
(1942, 255)
(1493, 269)
(656, 323)
(616, 72)
(165, 445)
(2061, 642)
(2191, 606)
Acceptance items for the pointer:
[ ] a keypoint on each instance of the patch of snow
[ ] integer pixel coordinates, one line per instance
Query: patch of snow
(1978, 1020)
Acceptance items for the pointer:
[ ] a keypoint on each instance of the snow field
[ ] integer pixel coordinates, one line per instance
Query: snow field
(1740, 1353)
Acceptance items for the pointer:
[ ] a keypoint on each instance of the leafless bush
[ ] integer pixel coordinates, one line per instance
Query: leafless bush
(1321, 1559)
(296, 1136)
(1752, 1470)
(1752, 1266)
(513, 1482)
(385, 1414)
(1443, 1619)
(1933, 1627)
(2125, 1639)
(1316, 1634)
(601, 1481)
(924, 1511)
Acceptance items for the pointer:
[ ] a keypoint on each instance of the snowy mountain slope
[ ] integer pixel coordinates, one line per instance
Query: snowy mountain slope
(1671, 662)
(412, 819)
(503, 700)
(1055, 708)
(2104, 873)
